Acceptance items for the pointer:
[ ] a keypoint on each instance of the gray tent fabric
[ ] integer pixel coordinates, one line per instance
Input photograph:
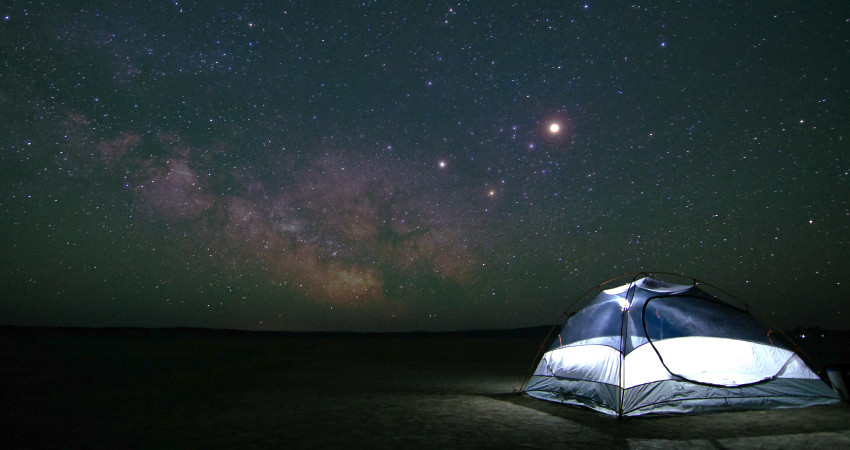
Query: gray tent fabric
(651, 346)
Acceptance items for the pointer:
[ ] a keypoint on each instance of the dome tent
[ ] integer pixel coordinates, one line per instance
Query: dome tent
(651, 346)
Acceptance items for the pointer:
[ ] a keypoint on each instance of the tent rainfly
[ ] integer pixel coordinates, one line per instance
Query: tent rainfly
(654, 347)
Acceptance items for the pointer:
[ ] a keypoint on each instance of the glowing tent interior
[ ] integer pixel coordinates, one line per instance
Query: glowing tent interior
(650, 346)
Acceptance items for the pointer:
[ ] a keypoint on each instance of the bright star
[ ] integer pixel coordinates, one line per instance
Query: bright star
(555, 127)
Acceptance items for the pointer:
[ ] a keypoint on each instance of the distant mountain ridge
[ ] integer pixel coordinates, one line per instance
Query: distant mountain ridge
(12, 330)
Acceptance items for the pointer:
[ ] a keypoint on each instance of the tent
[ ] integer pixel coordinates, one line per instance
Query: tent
(651, 346)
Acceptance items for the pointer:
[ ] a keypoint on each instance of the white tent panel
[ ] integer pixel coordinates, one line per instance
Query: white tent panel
(642, 366)
(721, 361)
(796, 368)
(598, 363)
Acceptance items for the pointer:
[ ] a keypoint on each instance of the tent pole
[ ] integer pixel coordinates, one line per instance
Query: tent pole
(630, 296)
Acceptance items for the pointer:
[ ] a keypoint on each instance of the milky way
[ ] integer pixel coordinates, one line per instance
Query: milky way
(386, 166)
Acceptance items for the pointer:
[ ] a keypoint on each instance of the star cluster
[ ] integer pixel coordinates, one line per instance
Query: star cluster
(395, 165)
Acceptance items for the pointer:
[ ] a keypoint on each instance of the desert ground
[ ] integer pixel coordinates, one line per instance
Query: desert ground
(169, 389)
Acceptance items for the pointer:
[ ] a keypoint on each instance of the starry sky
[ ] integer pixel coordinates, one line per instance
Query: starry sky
(413, 165)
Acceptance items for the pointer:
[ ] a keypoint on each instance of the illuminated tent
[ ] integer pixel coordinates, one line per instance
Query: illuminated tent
(654, 347)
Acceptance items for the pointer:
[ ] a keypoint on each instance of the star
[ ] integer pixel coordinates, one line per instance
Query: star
(226, 166)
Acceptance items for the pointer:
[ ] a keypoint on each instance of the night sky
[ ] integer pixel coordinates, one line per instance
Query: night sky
(406, 165)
